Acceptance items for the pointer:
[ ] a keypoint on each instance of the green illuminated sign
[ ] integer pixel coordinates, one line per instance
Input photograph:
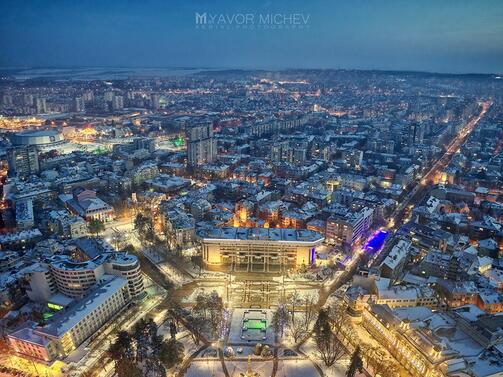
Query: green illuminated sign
(50, 305)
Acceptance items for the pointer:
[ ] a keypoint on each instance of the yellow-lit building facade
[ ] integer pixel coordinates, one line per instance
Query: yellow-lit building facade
(258, 249)
(413, 351)
(73, 325)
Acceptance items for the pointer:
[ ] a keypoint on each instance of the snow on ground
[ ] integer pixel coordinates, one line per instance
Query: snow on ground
(264, 368)
(304, 292)
(296, 368)
(205, 368)
(244, 351)
(331, 280)
(183, 336)
(309, 348)
(206, 274)
(205, 291)
(337, 370)
(172, 273)
(153, 256)
(188, 344)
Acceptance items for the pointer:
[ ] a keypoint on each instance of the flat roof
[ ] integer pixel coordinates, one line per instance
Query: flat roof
(260, 234)
(69, 318)
(27, 335)
(60, 299)
(64, 262)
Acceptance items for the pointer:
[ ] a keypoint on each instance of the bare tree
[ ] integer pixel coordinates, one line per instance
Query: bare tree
(366, 351)
(215, 310)
(280, 320)
(296, 321)
(144, 227)
(376, 359)
(356, 363)
(296, 326)
(338, 317)
(330, 349)
(309, 307)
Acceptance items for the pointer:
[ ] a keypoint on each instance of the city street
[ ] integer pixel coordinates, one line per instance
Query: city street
(416, 193)
(251, 189)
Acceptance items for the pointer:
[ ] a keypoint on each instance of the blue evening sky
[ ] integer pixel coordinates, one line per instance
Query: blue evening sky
(426, 35)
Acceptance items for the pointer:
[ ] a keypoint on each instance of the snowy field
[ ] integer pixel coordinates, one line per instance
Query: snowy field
(205, 368)
(264, 368)
(204, 291)
(171, 273)
(296, 368)
(337, 370)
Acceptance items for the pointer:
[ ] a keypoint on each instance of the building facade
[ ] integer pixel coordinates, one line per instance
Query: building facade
(258, 249)
(201, 147)
(347, 230)
(72, 326)
(75, 279)
(23, 160)
(87, 205)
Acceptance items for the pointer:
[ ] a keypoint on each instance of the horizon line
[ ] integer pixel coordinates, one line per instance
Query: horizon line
(237, 68)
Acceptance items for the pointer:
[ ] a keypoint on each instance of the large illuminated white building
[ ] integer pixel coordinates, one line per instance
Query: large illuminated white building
(70, 327)
(75, 279)
(81, 296)
(429, 343)
(258, 249)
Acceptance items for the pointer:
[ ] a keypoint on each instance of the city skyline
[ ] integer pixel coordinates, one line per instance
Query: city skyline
(251, 188)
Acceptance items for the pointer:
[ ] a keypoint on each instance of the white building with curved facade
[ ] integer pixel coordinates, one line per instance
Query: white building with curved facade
(84, 296)
(75, 279)
(70, 327)
(127, 266)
